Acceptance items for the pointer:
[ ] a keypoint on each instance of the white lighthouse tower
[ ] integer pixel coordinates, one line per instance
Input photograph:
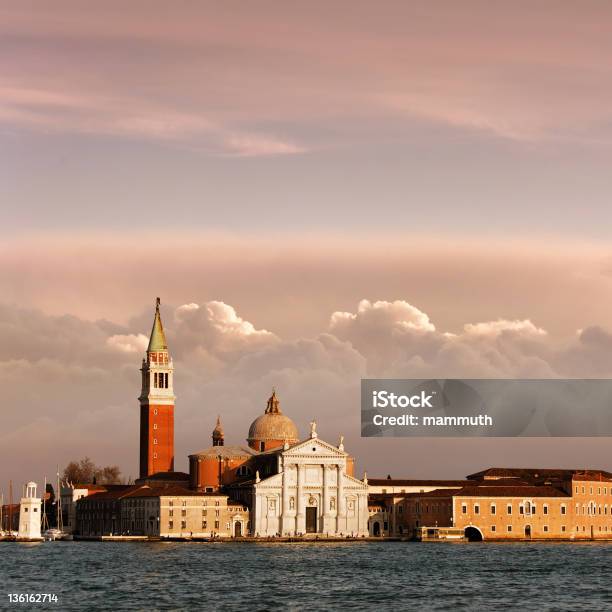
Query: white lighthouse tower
(29, 514)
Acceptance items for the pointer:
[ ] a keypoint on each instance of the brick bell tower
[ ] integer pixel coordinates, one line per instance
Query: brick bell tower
(157, 404)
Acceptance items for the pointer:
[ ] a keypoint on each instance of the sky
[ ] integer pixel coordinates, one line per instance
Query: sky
(276, 164)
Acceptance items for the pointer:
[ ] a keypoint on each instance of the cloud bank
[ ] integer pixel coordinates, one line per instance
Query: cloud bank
(70, 385)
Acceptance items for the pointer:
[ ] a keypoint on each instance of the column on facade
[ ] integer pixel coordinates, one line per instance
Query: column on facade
(300, 520)
(326, 500)
(341, 503)
(284, 523)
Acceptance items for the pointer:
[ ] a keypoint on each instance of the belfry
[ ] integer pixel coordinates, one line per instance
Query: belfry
(157, 404)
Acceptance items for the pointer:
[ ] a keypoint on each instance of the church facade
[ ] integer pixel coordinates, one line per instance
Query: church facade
(311, 494)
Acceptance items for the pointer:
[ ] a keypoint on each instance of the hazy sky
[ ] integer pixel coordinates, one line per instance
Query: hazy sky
(290, 160)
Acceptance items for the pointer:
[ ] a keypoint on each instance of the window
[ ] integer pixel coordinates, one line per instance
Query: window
(576, 488)
(509, 508)
(34, 509)
(493, 509)
(170, 512)
(492, 527)
(216, 512)
(203, 512)
(464, 508)
(509, 528)
(25, 509)
(545, 528)
(598, 490)
(183, 512)
(476, 508)
(521, 509)
(545, 508)
(154, 455)
(154, 440)
(216, 524)
(563, 509)
(154, 425)
(563, 528)
(170, 524)
(183, 524)
(184, 502)
(155, 413)
(203, 524)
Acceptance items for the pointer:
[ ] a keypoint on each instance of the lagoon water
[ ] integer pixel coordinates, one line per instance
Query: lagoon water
(303, 576)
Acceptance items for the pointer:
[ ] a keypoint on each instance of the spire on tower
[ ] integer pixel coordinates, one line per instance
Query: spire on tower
(157, 342)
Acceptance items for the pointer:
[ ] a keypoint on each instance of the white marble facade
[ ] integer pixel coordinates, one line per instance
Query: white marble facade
(311, 494)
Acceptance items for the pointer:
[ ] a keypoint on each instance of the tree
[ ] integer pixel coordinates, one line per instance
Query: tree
(85, 471)
(111, 474)
(82, 472)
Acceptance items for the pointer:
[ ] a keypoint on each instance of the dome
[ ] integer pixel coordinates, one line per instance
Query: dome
(272, 428)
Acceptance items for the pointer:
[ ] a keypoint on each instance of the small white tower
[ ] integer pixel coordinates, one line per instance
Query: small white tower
(29, 514)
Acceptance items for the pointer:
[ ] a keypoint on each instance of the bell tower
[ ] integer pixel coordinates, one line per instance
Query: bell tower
(157, 404)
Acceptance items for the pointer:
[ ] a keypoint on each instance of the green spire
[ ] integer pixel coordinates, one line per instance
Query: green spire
(158, 338)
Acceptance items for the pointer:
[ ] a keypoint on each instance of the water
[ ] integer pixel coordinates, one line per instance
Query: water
(301, 576)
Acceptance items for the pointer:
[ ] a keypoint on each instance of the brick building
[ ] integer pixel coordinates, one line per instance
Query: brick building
(510, 504)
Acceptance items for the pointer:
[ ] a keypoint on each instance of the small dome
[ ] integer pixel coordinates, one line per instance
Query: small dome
(272, 427)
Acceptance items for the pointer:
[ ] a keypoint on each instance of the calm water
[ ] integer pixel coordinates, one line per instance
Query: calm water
(381, 576)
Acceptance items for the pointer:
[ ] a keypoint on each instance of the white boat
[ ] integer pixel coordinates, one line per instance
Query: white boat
(51, 535)
(55, 533)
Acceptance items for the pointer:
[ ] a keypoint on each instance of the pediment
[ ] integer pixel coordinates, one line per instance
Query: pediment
(314, 446)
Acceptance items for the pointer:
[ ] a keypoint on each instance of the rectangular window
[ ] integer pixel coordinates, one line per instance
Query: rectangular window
(203, 512)
(509, 528)
(183, 524)
(154, 440)
(476, 509)
(493, 509)
(183, 512)
(155, 380)
(509, 509)
(545, 508)
(563, 528)
(521, 509)
(203, 524)
(563, 509)
(492, 527)
(170, 512)
(545, 528)
(170, 524)
(464, 508)
(154, 425)
(216, 524)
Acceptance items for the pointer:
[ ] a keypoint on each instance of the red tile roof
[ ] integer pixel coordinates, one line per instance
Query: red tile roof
(392, 482)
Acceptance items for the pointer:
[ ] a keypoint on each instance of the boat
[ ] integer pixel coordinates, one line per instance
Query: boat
(53, 534)
(58, 533)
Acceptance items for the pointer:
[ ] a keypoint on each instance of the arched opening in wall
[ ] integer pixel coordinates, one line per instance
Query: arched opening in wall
(473, 534)
(376, 529)
(528, 531)
(238, 529)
